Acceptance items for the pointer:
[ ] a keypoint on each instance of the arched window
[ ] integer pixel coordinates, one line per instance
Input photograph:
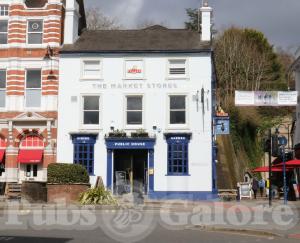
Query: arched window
(32, 141)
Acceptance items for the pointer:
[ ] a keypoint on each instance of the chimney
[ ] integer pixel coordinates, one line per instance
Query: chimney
(206, 15)
(71, 21)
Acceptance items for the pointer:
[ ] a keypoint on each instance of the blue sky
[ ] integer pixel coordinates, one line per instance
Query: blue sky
(278, 19)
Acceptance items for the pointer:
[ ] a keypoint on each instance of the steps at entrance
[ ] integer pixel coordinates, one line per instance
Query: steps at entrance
(13, 191)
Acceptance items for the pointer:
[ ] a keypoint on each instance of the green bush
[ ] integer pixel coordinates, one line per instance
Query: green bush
(67, 174)
(97, 196)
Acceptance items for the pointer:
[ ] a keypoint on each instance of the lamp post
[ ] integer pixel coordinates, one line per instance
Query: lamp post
(283, 142)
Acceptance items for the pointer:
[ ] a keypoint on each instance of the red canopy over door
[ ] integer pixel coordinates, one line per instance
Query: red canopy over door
(2, 153)
(266, 169)
(30, 156)
(291, 164)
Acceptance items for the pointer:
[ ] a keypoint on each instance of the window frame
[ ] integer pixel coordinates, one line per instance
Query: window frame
(25, 88)
(178, 76)
(177, 125)
(28, 32)
(91, 77)
(5, 9)
(4, 89)
(41, 88)
(5, 20)
(90, 161)
(142, 77)
(134, 126)
(173, 154)
(90, 126)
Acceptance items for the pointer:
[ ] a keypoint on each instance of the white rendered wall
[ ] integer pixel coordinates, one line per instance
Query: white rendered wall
(155, 114)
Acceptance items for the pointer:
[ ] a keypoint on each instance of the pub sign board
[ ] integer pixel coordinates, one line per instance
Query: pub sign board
(134, 69)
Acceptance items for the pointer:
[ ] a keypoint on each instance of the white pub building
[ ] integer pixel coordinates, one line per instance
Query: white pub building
(136, 108)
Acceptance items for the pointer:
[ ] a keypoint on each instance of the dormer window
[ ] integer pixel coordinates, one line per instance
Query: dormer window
(3, 10)
(35, 32)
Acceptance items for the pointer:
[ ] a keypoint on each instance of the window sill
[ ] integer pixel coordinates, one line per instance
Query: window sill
(90, 128)
(84, 79)
(177, 127)
(177, 175)
(134, 79)
(178, 78)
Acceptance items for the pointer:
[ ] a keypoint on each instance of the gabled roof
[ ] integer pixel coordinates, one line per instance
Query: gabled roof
(152, 39)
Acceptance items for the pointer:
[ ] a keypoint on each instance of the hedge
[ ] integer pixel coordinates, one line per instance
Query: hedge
(67, 174)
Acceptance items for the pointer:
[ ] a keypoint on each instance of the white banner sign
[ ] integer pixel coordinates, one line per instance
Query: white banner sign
(266, 98)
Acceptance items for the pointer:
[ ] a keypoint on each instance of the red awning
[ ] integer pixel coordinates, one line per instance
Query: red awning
(291, 164)
(30, 156)
(2, 152)
(266, 169)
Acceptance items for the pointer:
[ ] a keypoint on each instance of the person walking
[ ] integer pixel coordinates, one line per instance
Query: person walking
(254, 187)
(261, 185)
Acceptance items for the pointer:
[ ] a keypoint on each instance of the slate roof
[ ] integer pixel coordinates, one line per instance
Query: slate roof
(152, 39)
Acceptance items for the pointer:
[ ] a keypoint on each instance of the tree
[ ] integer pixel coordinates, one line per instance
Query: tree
(194, 19)
(286, 59)
(96, 20)
(245, 61)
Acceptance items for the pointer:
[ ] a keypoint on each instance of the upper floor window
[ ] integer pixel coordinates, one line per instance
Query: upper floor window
(3, 31)
(91, 69)
(33, 88)
(3, 10)
(177, 109)
(2, 88)
(134, 111)
(32, 141)
(35, 32)
(177, 68)
(91, 110)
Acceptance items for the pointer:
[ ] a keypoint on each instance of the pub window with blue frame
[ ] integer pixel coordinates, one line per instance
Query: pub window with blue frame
(178, 150)
(84, 152)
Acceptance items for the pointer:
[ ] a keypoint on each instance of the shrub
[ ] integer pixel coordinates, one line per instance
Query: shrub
(98, 195)
(67, 174)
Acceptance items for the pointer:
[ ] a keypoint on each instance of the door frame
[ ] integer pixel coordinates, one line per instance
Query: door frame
(129, 143)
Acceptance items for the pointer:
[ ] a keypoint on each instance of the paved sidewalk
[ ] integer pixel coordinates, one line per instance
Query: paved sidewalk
(230, 212)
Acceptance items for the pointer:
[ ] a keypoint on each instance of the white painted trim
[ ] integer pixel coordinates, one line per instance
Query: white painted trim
(82, 66)
(175, 77)
(187, 120)
(128, 126)
(134, 59)
(81, 104)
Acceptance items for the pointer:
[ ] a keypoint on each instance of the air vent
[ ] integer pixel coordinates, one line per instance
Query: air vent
(73, 99)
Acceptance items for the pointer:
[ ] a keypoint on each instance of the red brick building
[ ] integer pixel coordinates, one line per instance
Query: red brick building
(31, 34)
